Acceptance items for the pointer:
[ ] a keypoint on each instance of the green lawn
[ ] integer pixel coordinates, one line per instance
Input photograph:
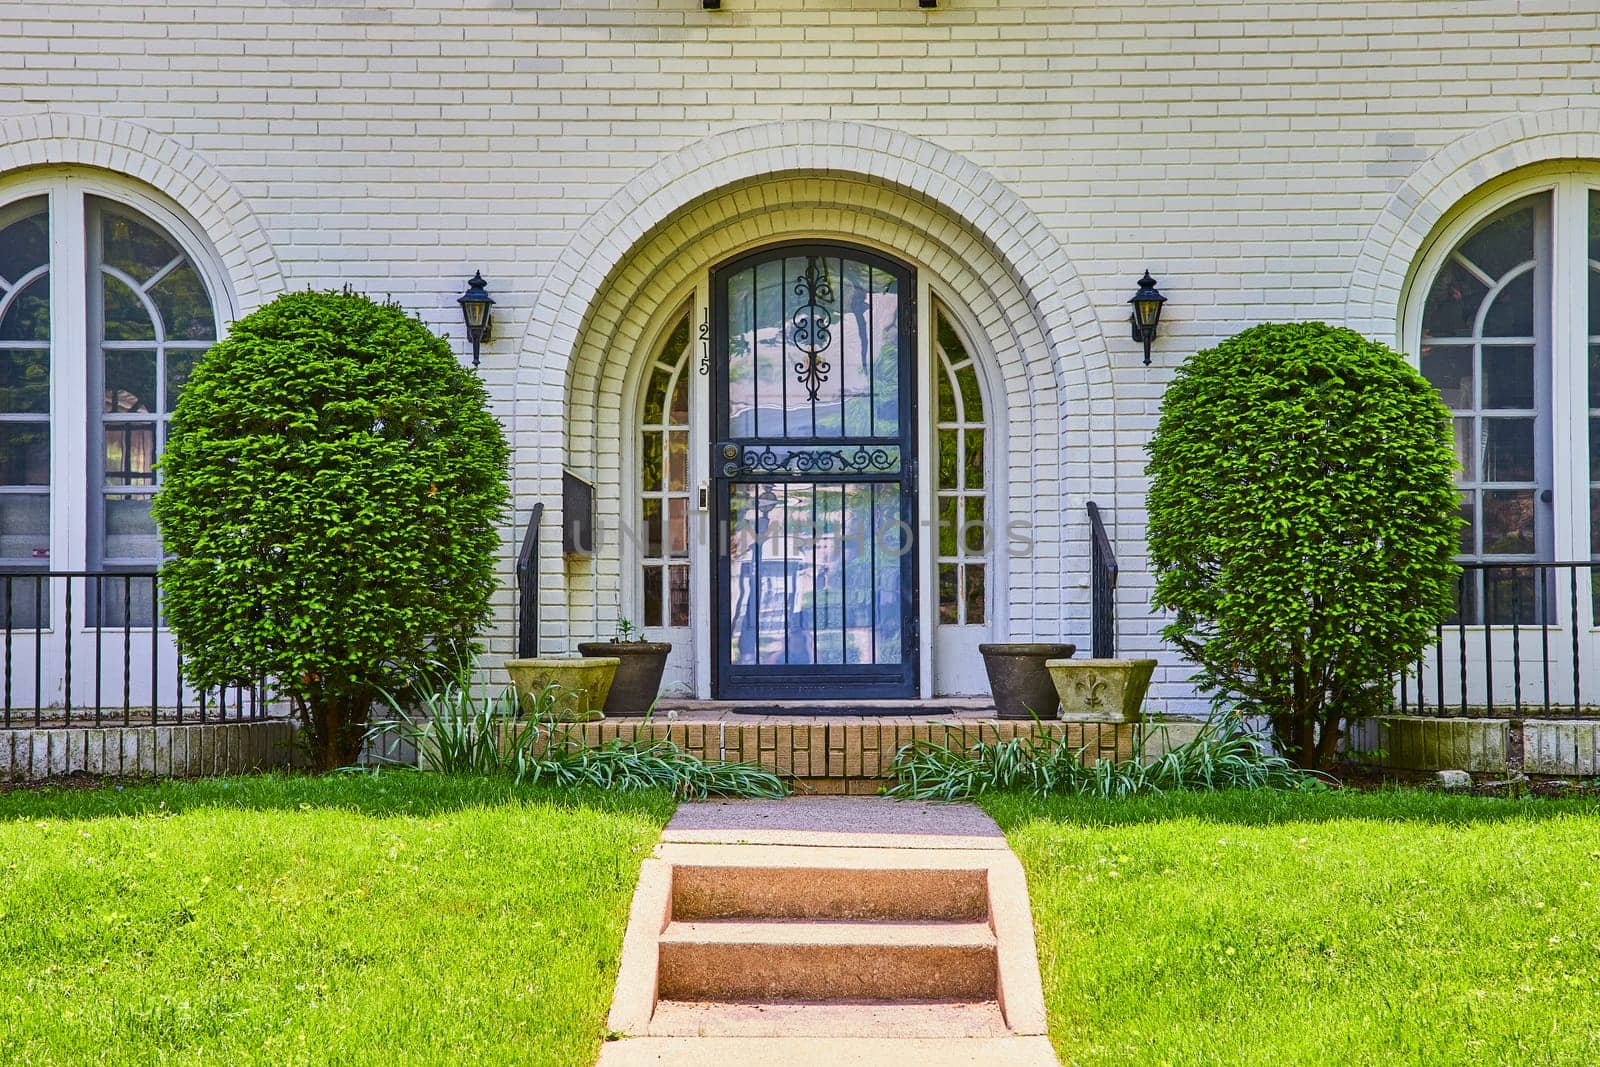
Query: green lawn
(350, 919)
(1262, 928)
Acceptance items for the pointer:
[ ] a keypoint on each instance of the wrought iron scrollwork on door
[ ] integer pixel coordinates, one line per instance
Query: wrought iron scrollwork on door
(812, 330)
(861, 459)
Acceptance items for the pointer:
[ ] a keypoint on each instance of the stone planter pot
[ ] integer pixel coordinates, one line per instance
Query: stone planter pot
(1020, 681)
(585, 683)
(638, 680)
(1101, 690)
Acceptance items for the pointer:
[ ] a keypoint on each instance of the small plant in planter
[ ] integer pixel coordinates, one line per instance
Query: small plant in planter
(638, 680)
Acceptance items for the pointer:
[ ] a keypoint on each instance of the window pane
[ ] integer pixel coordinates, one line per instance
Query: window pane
(130, 381)
(130, 532)
(971, 399)
(678, 526)
(975, 593)
(948, 459)
(27, 312)
(180, 364)
(1505, 242)
(650, 461)
(678, 594)
(24, 242)
(1466, 441)
(1448, 369)
(126, 317)
(184, 305)
(25, 527)
(24, 453)
(1469, 522)
(652, 596)
(130, 453)
(947, 396)
(1594, 522)
(25, 381)
(24, 602)
(124, 601)
(680, 398)
(1508, 521)
(133, 245)
(1511, 314)
(652, 529)
(1508, 376)
(1508, 450)
(1594, 275)
(1594, 375)
(1594, 449)
(1508, 596)
(949, 340)
(973, 440)
(949, 610)
(678, 461)
(655, 397)
(1452, 305)
(974, 533)
(947, 525)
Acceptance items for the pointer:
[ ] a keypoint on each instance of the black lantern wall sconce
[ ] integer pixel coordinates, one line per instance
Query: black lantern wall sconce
(1146, 313)
(475, 305)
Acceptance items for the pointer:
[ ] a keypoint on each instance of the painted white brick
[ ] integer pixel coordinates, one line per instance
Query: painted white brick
(1283, 160)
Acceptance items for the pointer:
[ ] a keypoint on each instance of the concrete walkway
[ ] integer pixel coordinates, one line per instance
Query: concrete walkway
(837, 930)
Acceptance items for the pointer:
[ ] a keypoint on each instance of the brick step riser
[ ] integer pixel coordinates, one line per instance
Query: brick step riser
(816, 893)
(767, 972)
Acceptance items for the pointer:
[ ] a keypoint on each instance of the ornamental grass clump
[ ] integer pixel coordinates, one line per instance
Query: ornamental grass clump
(332, 492)
(1303, 524)
(454, 732)
(1223, 755)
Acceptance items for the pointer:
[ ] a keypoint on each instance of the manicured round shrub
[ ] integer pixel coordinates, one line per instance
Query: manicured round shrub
(332, 490)
(1303, 520)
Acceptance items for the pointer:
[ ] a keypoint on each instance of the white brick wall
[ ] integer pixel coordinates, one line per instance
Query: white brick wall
(1282, 160)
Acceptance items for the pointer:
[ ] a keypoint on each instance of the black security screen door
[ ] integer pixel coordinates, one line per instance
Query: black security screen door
(814, 475)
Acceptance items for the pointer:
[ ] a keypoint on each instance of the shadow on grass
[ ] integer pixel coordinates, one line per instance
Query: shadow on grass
(387, 793)
(1271, 807)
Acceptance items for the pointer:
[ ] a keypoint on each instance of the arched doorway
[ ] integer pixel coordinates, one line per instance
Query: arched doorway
(814, 516)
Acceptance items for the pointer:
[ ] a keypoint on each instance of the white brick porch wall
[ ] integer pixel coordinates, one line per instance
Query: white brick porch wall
(1265, 161)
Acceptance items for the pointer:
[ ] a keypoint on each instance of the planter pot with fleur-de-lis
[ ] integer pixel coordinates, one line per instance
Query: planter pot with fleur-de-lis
(1101, 690)
(577, 686)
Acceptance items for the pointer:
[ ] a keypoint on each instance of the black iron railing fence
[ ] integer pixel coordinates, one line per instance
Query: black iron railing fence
(85, 648)
(1515, 645)
(528, 587)
(1103, 587)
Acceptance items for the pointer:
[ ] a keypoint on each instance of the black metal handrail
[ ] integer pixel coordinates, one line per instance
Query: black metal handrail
(109, 624)
(1506, 614)
(1103, 585)
(528, 588)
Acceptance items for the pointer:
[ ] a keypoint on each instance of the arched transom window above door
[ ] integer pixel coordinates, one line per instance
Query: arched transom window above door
(1507, 319)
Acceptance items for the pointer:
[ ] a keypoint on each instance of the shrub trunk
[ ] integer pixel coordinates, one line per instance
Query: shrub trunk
(334, 728)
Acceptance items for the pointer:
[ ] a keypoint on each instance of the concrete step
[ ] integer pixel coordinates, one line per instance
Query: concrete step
(811, 961)
(860, 892)
(834, 1052)
(829, 1018)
